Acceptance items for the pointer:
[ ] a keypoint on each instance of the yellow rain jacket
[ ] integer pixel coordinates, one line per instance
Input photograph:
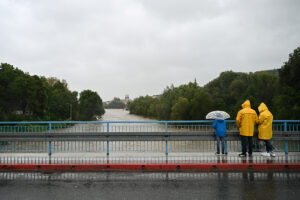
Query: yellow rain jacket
(265, 121)
(246, 119)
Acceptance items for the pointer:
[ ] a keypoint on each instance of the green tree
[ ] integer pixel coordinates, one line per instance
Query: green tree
(287, 103)
(74, 106)
(26, 97)
(90, 105)
(262, 87)
(290, 71)
(227, 92)
(201, 104)
(20, 92)
(116, 103)
(166, 102)
(8, 102)
(60, 99)
(180, 110)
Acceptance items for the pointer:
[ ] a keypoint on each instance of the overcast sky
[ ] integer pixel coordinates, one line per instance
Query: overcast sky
(138, 47)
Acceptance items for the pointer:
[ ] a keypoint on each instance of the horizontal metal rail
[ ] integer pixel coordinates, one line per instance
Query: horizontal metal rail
(123, 122)
(135, 136)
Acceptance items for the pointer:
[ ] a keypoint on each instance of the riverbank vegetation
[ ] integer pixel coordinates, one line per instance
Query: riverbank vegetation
(32, 98)
(116, 103)
(278, 89)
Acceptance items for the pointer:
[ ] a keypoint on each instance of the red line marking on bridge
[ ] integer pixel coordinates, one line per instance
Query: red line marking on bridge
(149, 167)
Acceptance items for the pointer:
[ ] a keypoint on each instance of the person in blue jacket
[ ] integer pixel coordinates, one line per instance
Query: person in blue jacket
(220, 126)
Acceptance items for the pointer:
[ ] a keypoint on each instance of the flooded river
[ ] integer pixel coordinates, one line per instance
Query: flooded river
(122, 115)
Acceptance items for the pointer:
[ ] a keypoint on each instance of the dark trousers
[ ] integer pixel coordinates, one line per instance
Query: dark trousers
(269, 146)
(223, 144)
(245, 140)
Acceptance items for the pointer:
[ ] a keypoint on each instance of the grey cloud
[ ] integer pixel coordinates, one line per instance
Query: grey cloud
(138, 47)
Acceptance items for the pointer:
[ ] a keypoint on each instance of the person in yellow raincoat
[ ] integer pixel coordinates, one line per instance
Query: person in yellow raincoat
(265, 121)
(246, 119)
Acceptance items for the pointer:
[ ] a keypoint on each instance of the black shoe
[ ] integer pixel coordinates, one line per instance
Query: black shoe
(242, 155)
(218, 154)
(250, 154)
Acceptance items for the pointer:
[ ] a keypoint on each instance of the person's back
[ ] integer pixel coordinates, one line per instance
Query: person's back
(246, 119)
(220, 126)
(265, 133)
(265, 123)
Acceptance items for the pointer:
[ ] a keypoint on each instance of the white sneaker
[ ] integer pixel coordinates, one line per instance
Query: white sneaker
(265, 154)
(272, 154)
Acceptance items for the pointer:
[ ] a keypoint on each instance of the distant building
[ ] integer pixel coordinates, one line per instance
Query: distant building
(107, 102)
(126, 100)
(155, 96)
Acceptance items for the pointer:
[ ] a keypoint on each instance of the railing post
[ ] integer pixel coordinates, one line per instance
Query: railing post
(286, 142)
(166, 129)
(50, 150)
(107, 141)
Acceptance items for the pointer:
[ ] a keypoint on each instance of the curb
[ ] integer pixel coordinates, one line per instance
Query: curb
(149, 167)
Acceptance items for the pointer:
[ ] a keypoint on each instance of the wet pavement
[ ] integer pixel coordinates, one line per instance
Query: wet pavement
(120, 185)
(147, 158)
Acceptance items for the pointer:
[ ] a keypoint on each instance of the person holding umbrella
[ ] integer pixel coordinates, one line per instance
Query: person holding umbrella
(220, 126)
(246, 120)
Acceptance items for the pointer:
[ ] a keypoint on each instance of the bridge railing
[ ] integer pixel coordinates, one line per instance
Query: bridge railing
(134, 136)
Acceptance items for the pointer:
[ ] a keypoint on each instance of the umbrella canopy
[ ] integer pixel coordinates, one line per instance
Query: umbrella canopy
(217, 114)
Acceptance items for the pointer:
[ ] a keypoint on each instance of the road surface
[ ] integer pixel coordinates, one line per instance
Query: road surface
(132, 185)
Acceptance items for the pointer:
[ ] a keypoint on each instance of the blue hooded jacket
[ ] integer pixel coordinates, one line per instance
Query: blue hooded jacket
(220, 126)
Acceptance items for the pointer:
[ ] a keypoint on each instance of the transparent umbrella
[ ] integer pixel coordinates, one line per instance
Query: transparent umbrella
(217, 114)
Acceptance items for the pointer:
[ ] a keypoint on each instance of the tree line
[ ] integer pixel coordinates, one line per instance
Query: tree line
(33, 98)
(278, 89)
(116, 103)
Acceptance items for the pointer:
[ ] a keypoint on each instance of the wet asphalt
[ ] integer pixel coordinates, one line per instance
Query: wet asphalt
(168, 185)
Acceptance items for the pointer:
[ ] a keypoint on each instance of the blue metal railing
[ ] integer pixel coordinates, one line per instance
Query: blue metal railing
(108, 147)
